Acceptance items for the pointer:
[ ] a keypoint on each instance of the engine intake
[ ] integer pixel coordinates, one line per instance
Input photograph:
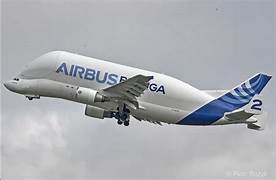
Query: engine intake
(87, 96)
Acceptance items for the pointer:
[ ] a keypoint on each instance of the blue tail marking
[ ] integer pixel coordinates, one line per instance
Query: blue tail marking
(232, 100)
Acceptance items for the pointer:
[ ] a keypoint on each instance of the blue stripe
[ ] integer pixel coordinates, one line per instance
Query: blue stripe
(232, 99)
(241, 95)
(246, 90)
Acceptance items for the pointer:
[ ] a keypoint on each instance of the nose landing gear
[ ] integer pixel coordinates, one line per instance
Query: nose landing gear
(31, 97)
(122, 115)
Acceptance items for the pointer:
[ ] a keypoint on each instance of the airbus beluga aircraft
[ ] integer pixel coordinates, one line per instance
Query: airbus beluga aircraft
(112, 90)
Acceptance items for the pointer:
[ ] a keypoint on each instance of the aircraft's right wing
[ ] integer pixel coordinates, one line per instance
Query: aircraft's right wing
(128, 90)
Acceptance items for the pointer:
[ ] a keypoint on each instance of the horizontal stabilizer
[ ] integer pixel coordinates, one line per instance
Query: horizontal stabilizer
(254, 126)
(238, 115)
(260, 124)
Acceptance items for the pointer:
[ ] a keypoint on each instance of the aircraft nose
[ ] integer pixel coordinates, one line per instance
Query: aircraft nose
(6, 84)
(9, 85)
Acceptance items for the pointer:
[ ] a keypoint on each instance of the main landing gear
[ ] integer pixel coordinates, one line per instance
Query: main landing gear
(122, 115)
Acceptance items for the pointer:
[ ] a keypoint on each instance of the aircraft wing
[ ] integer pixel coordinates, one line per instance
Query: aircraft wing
(154, 122)
(128, 90)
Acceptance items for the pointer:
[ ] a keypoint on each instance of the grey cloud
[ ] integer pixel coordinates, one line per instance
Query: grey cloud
(61, 146)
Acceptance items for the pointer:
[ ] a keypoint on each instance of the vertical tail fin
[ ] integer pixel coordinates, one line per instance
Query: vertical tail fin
(242, 94)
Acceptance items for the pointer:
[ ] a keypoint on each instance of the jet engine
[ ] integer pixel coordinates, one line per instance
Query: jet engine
(87, 96)
(96, 112)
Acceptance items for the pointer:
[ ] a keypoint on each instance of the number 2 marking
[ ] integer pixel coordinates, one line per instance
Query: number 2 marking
(257, 104)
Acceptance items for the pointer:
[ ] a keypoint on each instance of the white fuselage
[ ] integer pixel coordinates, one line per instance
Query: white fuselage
(59, 74)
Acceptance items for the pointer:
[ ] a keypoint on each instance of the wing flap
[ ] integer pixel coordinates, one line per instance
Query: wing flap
(140, 86)
(131, 88)
(133, 91)
(136, 89)
(128, 95)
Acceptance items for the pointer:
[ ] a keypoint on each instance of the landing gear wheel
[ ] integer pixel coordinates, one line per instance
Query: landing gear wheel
(122, 115)
(30, 98)
(117, 116)
(126, 123)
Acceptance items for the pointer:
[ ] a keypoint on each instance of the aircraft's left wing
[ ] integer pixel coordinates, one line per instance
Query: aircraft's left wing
(128, 90)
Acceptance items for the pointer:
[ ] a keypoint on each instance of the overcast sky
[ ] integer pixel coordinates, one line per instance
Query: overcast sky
(209, 44)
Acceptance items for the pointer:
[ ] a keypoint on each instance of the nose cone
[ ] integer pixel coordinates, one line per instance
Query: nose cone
(10, 85)
(6, 84)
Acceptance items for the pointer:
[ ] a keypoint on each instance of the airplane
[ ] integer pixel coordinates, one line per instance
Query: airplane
(110, 90)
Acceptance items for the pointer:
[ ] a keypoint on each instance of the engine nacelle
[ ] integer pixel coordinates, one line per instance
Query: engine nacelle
(96, 112)
(87, 96)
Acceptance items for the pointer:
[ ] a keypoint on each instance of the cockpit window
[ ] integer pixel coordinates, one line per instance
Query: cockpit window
(16, 79)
